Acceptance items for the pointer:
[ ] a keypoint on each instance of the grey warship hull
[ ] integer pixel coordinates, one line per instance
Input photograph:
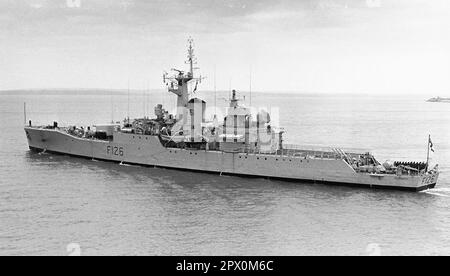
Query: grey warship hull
(148, 150)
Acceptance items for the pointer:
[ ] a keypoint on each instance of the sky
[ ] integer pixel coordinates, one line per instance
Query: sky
(315, 46)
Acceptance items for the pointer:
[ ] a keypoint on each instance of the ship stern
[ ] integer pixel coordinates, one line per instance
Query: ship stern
(428, 180)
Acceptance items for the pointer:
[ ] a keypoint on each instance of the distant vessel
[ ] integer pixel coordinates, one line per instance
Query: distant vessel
(439, 100)
(244, 144)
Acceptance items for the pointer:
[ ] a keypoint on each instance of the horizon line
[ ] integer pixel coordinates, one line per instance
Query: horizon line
(136, 90)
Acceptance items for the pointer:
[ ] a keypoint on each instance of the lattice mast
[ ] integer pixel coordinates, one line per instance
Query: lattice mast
(179, 83)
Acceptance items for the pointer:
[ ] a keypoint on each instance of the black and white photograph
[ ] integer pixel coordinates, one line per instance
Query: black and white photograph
(224, 128)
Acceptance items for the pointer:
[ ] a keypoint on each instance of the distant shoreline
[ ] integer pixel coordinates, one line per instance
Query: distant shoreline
(81, 92)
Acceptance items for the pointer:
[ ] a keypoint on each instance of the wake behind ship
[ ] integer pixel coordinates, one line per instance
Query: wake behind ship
(244, 144)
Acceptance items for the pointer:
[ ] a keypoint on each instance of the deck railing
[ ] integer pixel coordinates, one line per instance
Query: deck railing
(325, 149)
(302, 153)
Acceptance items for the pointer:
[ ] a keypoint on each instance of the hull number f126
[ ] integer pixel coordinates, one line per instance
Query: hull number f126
(116, 151)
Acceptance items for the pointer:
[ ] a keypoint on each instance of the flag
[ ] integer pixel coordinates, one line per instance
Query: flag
(431, 144)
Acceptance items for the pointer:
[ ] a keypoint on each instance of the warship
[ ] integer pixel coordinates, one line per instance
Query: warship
(439, 100)
(243, 144)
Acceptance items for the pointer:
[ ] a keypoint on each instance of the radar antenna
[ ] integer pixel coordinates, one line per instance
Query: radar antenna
(191, 57)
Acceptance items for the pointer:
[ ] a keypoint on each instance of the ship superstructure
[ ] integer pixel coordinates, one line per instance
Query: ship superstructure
(243, 144)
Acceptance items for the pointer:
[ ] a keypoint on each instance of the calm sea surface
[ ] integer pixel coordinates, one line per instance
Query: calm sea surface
(48, 202)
